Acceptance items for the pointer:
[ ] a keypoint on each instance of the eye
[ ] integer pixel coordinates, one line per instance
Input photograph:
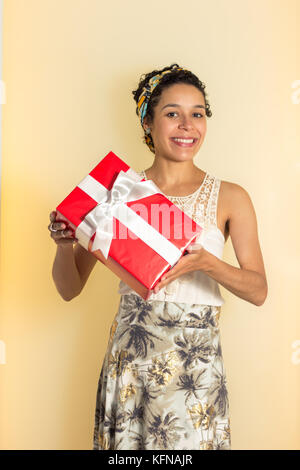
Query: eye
(173, 112)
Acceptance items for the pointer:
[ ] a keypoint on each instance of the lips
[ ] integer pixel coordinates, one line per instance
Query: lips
(183, 144)
(185, 138)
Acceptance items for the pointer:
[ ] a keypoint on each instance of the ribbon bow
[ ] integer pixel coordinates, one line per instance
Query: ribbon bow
(113, 204)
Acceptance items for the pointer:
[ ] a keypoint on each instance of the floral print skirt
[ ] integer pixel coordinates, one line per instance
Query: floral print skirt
(162, 384)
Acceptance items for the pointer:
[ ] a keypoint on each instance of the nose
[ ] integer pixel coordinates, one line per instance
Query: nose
(185, 122)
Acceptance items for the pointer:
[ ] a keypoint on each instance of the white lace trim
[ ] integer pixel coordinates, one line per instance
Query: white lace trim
(201, 205)
(213, 202)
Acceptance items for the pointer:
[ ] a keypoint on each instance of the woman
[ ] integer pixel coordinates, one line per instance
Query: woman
(163, 383)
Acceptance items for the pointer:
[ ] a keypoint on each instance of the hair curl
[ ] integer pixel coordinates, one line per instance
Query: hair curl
(176, 76)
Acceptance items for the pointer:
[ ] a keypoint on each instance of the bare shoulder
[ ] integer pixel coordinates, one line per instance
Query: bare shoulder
(234, 198)
(234, 203)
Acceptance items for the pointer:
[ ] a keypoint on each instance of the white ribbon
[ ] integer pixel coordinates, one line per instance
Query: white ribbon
(126, 188)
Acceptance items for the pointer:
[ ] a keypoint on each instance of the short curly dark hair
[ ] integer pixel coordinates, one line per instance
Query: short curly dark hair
(176, 76)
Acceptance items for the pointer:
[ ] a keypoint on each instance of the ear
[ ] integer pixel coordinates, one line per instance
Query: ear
(145, 125)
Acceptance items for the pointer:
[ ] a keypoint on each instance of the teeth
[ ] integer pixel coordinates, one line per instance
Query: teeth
(187, 141)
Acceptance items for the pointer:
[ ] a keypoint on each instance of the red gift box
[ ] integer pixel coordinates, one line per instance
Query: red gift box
(128, 224)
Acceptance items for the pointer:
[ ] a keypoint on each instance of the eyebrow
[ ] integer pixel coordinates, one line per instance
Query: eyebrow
(178, 106)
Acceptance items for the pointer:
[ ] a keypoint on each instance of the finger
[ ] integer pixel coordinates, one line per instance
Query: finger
(162, 284)
(169, 275)
(56, 235)
(66, 233)
(194, 247)
(53, 216)
(57, 226)
(174, 270)
(59, 234)
(68, 238)
(165, 280)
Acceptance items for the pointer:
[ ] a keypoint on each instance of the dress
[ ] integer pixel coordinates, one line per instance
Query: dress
(162, 384)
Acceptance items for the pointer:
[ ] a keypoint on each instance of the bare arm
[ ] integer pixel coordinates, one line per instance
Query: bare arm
(249, 281)
(72, 265)
(85, 263)
(71, 269)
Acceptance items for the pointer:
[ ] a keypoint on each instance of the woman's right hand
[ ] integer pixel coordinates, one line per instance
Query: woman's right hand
(64, 234)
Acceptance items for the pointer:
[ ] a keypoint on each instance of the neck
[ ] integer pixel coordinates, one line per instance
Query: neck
(170, 173)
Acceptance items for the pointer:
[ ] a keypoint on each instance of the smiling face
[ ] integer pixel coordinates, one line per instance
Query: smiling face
(180, 113)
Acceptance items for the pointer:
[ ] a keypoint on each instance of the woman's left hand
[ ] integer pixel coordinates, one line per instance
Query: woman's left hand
(196, 259)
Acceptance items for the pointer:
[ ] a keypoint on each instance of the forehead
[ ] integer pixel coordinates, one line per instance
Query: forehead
(182, 93)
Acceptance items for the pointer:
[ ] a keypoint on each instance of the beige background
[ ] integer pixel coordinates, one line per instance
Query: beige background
(69, 67)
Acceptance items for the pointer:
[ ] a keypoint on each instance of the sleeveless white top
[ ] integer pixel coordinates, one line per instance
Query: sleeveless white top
(195, 287)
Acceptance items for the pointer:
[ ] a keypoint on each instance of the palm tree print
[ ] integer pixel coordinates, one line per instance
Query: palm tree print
(221, 444)
(100, 413)
(112, 330)
(140, 339)
(148, 392)
(126, 392)
(181, 318)
(221, 433)
(113, 364)
(119, 362)
(136, 414)
(163, 383)
(170, 321)
(139, 441)
(170, 317)
(165, 430)
(103, 441)
(136, 310)
(114, 420)
(219, 390)
(206, 445)
(202, 415)
(207, 320)
(163, 368)
(218, 350)
(194, 347)
(191, 383)
(226, 431)
(126, 362)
